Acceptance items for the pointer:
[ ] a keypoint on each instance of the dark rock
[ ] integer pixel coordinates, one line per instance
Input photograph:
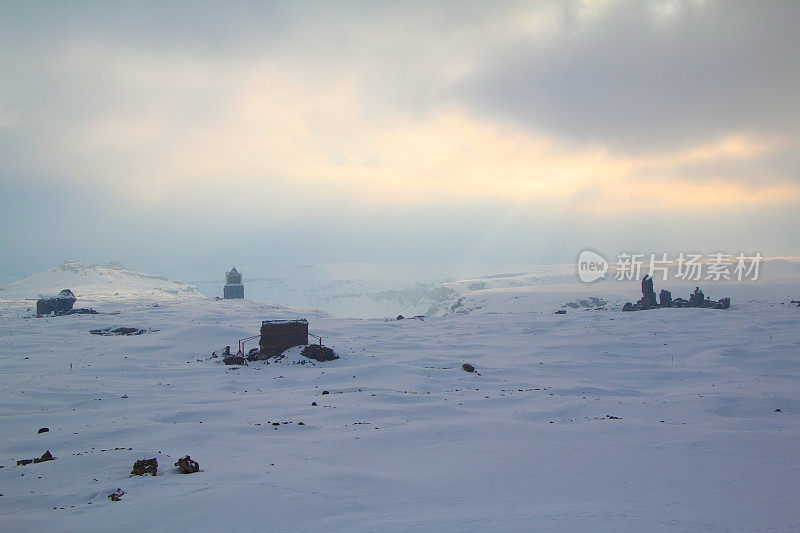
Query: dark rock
(400, 317)
(777, 410)
(665, 298)
(234, 360)
(313, 404)
(120, 331)
(648, 300)
(319, 353)
(46, 456)
(561, 312)
(43, 430)
(187, 465)
(628, 307)
(326, 392)
(24, 462)
(145, 466)
(116, 495)
(468, 367)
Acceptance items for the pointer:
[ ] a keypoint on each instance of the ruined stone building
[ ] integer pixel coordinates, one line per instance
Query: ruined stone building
(233, 285)
(58, 305)
(280, 335)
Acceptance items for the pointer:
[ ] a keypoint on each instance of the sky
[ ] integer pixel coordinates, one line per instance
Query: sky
(162, 134)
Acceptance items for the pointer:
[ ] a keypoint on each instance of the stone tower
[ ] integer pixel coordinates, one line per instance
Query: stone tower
(233, 285)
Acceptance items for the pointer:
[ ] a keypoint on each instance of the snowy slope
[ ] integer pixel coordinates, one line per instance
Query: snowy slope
(110, 281)
(406, 440)
(361, 290)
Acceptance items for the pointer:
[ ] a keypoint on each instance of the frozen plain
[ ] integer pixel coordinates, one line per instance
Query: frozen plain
(406, 440)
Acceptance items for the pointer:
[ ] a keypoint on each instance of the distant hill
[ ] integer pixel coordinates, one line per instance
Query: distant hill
(109, 281)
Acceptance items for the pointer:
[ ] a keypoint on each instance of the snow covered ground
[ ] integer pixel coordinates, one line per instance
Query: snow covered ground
(670, 419)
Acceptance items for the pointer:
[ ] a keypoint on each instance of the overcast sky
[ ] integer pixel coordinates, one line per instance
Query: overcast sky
(165, 133)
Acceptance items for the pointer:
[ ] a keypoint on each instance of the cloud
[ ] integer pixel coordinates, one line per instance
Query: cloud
(455, 125)
(649, 76)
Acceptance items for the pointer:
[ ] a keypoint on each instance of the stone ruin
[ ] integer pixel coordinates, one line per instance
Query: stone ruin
(649, 301)
(233, 289)
(60, 304)
(278, 336)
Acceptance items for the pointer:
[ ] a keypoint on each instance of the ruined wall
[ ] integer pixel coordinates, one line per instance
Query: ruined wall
(280, 335)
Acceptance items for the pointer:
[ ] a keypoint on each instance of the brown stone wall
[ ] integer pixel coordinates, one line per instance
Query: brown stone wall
(280, 335)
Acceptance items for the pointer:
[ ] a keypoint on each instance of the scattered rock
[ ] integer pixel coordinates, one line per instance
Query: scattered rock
(561, 312)
(121, 331)
(592, 302)
(46, 456)
(400, 317)
(777, 410)
(43, 430)
(696, 299)
(320, 353)
(116, 495)
(145, 466)
(187, 465)
(468, 367)
(326, 392)
(313, 404)
(234, 360)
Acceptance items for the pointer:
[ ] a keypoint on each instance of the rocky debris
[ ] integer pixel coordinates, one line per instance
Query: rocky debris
(326, 392)
(313, 404)
(121, 331)
(468, 367)
(187, 465)
(234, 360)
(116, 495)
(591, 302)
(696, 299)
(561, 312)
(43, 430)
(254, 354)
(400, 317)
(796, 302)
(319, 353)
(145, 466)
(46, 456)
